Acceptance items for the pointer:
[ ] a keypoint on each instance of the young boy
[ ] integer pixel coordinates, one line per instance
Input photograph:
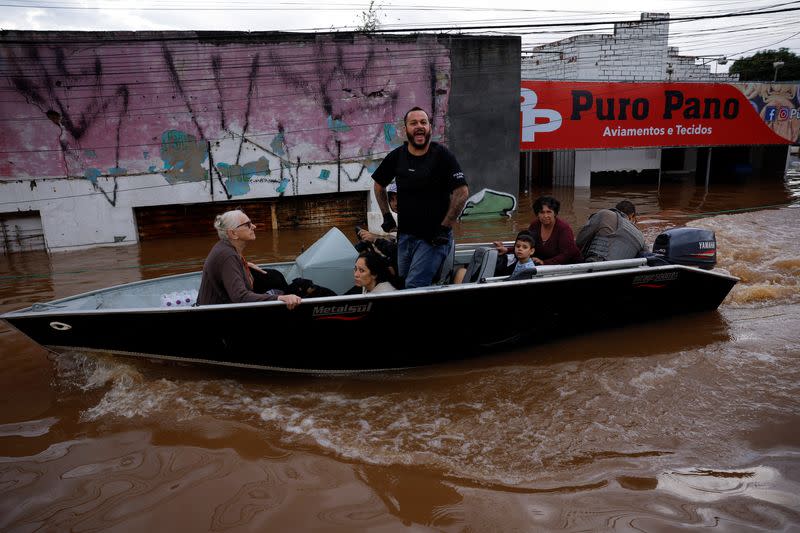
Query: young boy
(521, 259)
(523, 252)
(509, 264)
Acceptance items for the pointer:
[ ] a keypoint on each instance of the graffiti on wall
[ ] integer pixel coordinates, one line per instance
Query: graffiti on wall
(246, 118)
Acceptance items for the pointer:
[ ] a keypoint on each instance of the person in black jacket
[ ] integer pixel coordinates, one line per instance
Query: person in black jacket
(431, 190)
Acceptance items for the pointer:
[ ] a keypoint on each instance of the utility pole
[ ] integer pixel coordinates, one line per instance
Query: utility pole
(777, 65)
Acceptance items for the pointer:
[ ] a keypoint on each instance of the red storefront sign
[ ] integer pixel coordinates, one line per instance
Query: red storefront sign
(559, 115)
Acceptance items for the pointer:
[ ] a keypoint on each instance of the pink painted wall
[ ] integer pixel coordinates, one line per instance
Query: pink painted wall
(93, 105)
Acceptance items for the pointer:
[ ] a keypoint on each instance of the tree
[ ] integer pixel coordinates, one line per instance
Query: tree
(759, 66)
(370, 19)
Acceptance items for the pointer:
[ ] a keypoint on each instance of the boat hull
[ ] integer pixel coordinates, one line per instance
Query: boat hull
(384, 331)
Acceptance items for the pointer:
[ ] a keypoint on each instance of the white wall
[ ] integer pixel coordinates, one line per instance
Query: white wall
(634, 159)
(76, 214)
(583, 168)
(636, 51)
(588, 161)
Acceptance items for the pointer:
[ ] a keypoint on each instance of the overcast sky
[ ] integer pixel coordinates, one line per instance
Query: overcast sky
(732, 37)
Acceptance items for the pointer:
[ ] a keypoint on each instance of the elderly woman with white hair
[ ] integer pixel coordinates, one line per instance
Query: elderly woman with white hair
(226, 273)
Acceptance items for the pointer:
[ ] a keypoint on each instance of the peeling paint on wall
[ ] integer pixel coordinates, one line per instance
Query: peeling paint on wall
(92, 174)
(183, 157)
(239, 176)
(337, 125)
(282, 187)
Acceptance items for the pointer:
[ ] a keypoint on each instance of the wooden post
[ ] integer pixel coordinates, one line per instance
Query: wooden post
(338, 166)
(6, 242)
(210, 169)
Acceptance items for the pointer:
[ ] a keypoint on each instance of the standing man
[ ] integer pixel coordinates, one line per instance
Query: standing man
(611, 234)
(432, 192)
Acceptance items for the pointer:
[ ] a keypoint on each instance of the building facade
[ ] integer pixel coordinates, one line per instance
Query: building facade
(111, 137)
(636, 53)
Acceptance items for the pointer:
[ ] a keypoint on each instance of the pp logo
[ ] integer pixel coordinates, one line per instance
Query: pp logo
(530, 114)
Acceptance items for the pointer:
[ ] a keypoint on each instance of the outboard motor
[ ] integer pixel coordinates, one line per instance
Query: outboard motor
(687, 246)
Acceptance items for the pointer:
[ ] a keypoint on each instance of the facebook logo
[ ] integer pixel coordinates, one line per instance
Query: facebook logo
(770, 113)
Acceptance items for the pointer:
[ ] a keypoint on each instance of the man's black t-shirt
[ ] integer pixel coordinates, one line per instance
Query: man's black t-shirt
(424, 185)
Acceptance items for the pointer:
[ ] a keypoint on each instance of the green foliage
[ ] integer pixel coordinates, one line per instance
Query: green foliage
(759, 66)
(370, 19)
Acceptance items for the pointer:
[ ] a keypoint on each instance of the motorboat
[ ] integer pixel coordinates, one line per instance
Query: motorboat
(365, 332)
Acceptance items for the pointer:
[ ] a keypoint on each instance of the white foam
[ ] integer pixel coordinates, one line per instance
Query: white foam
(769, 268)
(763, 357)
(653, 378)
(709, 485)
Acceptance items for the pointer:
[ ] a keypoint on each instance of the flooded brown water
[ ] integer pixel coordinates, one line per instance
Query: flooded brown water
(684, 423)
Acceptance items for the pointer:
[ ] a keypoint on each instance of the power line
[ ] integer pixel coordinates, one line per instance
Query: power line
(557, 15)
(462, 27)
(195, 81)
(156, 144)
(188, 64)
(284, 6)
(593, 23)
(408, 77)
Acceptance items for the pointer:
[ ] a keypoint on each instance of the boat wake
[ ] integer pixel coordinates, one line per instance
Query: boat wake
(643, 400)
(515, 421)
(763, 250)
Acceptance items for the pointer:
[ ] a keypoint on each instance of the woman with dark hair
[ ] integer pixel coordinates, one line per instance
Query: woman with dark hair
(371, 274)
(554, 240)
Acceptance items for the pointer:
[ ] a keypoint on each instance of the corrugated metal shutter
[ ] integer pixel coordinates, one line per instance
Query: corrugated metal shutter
(564, 167)
(341, 209)
(21, 232)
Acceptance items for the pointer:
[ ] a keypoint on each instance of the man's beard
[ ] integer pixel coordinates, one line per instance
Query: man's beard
(420, 146)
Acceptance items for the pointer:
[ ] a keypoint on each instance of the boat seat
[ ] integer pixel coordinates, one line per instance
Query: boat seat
(445, 273)
(481, 266)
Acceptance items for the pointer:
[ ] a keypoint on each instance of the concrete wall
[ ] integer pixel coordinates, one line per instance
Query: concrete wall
(484, 102)
(100, 123)
(636, 51)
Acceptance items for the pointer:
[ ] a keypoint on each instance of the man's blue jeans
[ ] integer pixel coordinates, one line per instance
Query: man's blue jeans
(418, 260)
